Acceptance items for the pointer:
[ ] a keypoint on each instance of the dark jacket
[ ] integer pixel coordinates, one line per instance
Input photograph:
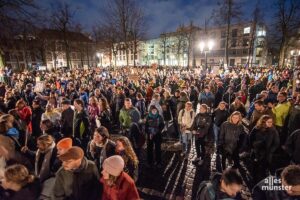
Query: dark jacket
(211, 190)
(264, 143)
(201, 124)
(67, 117)
(101, 153)
(220, 116)
(229, 140)
(207, 98)
(294, 119)
(36, 121)
(29, 192)
(141, 106)
(81, 125)
(166, 106)
(292, 146)
(80, 184)
(259, 193)
(105, 118)
(154, 124)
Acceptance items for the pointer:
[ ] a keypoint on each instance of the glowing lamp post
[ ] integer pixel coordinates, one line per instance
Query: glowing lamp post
(206, 47)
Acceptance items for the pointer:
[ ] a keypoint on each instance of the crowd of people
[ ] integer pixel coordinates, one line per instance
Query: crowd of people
(79, 134)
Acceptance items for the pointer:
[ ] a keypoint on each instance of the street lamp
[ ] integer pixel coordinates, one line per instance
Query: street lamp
(294, 56)
(206, 47)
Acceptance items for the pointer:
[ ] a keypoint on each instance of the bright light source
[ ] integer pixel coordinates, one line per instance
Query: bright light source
(201, 45)
(292, 52)
(98, 55)
(210, 44)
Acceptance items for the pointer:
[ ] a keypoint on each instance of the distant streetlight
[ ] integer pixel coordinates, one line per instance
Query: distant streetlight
(100, 57)
(206, 47)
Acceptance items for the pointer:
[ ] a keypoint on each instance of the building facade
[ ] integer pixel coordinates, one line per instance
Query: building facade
(246, 46)
(48, 48)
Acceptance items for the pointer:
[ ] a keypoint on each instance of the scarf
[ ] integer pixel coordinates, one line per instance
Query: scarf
(44, 172)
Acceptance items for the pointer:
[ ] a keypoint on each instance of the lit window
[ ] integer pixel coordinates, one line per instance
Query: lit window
(247, 30)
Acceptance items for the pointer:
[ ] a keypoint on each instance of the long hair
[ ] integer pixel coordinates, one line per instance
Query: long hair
(128, 151)
(4, 119)
(261, 123)
(105, 105)
(235, 113)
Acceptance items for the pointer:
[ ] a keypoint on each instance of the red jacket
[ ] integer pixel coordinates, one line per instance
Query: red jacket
(25, 114)
(124, 189)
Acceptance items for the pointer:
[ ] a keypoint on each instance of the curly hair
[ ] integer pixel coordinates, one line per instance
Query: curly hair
(130, 154)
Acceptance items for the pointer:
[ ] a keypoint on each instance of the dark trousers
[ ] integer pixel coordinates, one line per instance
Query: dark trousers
(260, 170)
(231, 157)
(200, 146)
(156, 140)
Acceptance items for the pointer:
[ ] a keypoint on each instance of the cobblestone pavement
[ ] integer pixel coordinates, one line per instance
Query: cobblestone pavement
(179, 178)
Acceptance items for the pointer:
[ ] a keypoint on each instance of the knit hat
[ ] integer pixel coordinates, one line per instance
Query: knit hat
(74, 153)
(114, 165)
(152, 107)
(65, 143)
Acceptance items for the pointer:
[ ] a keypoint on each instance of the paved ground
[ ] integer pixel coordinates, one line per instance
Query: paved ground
(178, 178)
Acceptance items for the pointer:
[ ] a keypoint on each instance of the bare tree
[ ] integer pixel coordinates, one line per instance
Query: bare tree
(164, 45)
(226, 13)
(62, 20)
(256, 21)
(287, 23)
(128, 21)
(13, 15)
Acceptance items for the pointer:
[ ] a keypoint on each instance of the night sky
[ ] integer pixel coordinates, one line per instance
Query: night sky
(161, 15)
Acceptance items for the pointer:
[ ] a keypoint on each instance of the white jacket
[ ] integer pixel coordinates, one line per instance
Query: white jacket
(186, 119)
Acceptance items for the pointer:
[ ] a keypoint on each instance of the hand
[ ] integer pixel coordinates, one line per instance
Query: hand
(24, 149)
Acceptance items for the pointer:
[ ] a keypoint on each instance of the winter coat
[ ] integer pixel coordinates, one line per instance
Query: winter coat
(256, 115)
(186, 118)
(80, 184)
(220, 116)
(29, 192)
(201, 124)
(219, 95)
(127, 117)
(141, 106)
(105, 118)
(281, 111)
(25, 115)
(166, 106)
(207, 98)
(292, 146)
(210, 190)
(124, 189)
(241, 108)
(157, 105)
(294, 119)
(36, 121)
(154, 124)
(67, 117)
(99, 154)
(129, 168)
(229, 139)
(81, 125)
(260, 193)
(264, 142)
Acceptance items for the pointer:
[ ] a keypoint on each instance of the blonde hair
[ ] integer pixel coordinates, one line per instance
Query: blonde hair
(261, 123)
(18, 174)
(235, 113)
(47, 140)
